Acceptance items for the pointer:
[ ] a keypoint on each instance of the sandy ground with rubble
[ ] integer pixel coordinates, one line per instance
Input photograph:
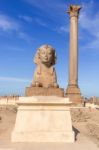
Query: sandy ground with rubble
(85, 125)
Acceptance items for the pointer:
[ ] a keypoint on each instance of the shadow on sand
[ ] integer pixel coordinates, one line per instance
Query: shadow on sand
(76, 132)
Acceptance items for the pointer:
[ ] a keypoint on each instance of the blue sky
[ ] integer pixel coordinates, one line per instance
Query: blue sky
(25, 25)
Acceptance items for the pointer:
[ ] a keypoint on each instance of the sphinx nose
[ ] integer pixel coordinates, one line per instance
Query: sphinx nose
(46, 55)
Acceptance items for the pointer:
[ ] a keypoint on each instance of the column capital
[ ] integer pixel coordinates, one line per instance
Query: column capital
(74, 10)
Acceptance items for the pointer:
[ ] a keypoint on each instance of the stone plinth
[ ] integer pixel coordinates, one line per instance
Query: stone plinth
(37, 91)
(43, 119)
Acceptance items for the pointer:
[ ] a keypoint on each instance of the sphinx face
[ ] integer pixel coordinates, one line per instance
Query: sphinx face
(46, 56)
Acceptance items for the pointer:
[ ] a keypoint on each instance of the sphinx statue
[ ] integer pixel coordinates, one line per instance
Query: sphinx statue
(45, 74)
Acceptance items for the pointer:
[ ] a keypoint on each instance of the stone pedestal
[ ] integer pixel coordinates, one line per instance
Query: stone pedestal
(43, 119)
(37, 91)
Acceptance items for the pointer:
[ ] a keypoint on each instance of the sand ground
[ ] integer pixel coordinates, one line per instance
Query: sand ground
(85, 125)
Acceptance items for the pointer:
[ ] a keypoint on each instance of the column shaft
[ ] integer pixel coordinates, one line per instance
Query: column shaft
(73, 56)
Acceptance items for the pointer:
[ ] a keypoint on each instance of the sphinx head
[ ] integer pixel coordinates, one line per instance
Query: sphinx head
(45, 55)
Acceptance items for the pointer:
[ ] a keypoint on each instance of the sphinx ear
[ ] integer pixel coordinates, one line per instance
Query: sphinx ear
(54, 59)
(37, 58)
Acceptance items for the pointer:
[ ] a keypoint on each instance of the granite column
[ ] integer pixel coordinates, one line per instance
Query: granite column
(73, 91)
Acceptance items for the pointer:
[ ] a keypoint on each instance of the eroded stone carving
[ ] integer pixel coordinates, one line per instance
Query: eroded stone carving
(74, 10)
(45, 74)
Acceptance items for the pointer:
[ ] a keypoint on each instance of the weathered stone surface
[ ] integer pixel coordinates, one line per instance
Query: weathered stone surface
(73, 92)
(36, 91)
(43, 119)
(74, 10)
(45, 74)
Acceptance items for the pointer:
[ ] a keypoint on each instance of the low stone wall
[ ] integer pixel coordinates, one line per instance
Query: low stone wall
(97, 102)
(92, 105)
(8, 101)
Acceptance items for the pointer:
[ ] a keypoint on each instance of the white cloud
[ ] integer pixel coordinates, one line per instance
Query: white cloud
(13, 79)
(52, 9)
(63, 29)
(40, 22)
(6, 23)
(89, 21)
(55, 11)
(9, 24)
(48, 4)
(17, 49)
(26, 18)
(25, 37)
(31, 20)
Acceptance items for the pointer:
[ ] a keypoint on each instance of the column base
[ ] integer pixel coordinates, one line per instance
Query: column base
(73, 93)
